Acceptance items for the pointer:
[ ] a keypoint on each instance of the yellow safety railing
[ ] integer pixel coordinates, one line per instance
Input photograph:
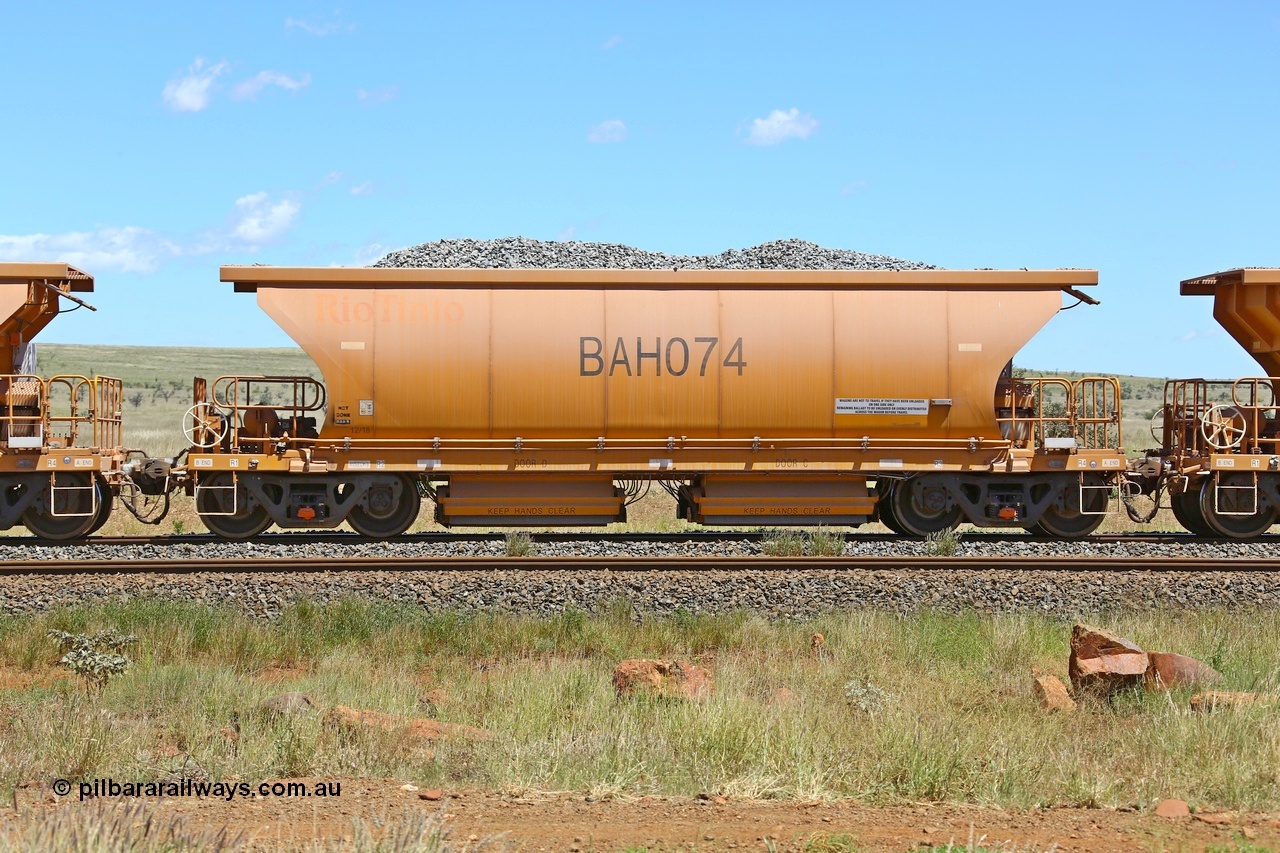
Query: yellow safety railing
(1052, 412)
(62, 411)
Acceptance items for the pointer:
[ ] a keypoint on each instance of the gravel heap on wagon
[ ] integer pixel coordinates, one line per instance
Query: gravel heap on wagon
(524, 253)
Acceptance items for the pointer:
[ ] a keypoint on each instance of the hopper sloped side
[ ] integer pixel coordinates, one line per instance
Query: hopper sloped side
(1246, 303)
(494, 354)
(29, 301)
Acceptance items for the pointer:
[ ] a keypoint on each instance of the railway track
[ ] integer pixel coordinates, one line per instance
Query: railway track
(341, 538)
(569, 565)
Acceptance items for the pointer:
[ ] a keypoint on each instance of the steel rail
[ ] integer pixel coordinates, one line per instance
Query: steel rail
(338, 563)
(326, 537)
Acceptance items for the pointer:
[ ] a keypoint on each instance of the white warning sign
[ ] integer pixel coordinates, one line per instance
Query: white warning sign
(881, 406)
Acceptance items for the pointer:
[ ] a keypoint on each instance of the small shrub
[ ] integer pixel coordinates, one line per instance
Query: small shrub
(178, 526)
(867, 697)
(520, 545)
(95, 658)
(295, 754)
(944, 543)
(826, 543)
(783, 543)
(828, 842)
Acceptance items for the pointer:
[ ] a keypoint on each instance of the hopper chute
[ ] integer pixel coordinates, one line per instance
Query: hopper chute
(29, 299)
(1246, 303)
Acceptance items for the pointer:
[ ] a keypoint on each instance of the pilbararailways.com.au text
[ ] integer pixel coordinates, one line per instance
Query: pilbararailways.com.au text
(192, 788)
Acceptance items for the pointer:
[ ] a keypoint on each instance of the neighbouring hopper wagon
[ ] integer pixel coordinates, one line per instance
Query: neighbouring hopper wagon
(60, 437)
(1219, 457)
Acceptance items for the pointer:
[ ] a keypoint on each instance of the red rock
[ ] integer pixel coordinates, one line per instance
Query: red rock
(664, 678)
(427, 729)
(1165, 670)
(432, 795)
(1102, 662)
(1173, 808)
(1215, 818)
(1213, 699)
(1051, 693)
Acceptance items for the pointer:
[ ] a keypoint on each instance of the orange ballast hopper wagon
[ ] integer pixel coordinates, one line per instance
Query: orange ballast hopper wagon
(765, 393)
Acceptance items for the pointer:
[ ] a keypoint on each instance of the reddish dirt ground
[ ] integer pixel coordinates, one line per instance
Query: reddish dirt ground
(568, 822)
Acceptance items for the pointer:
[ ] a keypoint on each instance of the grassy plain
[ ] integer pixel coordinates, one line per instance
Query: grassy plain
(934, 708)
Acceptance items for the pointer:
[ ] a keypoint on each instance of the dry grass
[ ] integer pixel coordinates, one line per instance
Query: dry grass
(953, 718)
(124, 826)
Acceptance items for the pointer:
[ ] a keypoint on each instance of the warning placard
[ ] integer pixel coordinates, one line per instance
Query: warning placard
(881, 406)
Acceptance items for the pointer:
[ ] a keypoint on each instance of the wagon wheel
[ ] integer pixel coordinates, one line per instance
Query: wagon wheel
(65, 514)
(1071, 520)
(1223, 427)
(1186, 509)
(204, 426)
(215, 503)
(921, 511)
(884, 508)
(106, 502)
(390, 507)
(1218, 505)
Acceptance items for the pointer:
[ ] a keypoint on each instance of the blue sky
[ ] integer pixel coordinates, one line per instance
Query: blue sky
(150, 143)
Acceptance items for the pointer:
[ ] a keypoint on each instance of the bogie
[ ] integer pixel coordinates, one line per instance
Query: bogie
(1234, 507)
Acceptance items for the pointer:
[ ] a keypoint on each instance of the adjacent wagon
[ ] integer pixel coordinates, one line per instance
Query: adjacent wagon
(60, 437)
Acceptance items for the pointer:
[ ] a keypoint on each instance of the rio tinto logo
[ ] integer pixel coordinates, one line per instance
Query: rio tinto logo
(386, 308)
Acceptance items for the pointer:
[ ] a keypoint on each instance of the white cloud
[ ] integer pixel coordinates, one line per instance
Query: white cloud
(189, 93)
(856, 186)
(781, 126)
(574, 231)
(1196, 334)
(260, 219)
(318, 30)
(257, 218)
(331, 178)
(612, 130)
(363, 189)
(611, 43)
(377, 96)
(126, 249)
(366, 255)
(248, 89)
